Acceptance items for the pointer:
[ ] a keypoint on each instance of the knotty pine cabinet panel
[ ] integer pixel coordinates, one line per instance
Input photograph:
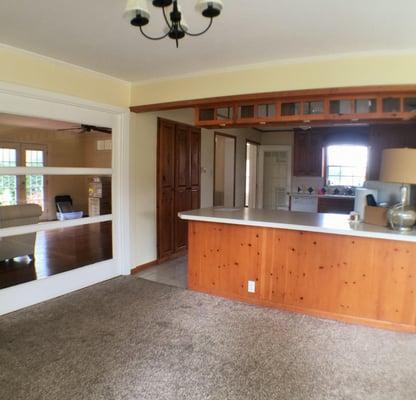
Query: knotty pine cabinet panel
(360, 280)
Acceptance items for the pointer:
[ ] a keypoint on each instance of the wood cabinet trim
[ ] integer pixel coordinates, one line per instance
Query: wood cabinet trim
(262, 96)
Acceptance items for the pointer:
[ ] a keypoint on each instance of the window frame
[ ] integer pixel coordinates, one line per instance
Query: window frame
(326, 163)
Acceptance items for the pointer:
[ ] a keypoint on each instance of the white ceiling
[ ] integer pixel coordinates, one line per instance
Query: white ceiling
(94, 34)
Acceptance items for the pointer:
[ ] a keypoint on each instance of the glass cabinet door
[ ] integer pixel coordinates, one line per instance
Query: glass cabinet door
(313, 107)
(207, 114)
(409, 104)
(391, 104)
(365, 106)
(246, 111)
(341, 107)
(291, 108)
(265, 111)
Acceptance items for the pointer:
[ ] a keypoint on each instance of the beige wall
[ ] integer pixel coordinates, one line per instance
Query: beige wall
(64, 149)
(28, 69)
(320, 72)
(278, 138)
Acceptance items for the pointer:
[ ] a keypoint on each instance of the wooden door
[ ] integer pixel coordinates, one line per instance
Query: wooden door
(183, 202)
(195, 171)
(166, 187)
(182, 183)
(182, 157)
(178, 183)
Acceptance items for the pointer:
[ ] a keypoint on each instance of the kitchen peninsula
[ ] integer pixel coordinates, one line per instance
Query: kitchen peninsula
(318, 264)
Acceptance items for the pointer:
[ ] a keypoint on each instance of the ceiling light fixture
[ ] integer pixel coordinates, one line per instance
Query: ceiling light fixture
(138, 12)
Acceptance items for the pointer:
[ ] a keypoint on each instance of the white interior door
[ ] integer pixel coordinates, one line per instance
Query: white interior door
(224, 180)
(274, 179)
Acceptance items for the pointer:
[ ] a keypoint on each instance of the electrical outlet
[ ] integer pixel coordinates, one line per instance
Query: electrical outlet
(251, 287)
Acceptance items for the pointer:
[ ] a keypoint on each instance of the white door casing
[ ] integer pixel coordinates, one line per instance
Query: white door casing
(261, 173)
(21, 100)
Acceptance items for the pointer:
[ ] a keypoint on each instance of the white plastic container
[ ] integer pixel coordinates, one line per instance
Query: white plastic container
(69, 215)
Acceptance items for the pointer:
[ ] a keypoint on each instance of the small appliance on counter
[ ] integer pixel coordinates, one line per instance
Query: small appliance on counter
(361, 199)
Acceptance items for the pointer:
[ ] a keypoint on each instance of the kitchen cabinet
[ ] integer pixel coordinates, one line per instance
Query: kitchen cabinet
(312, 106)
(335, 205)
(308, 154)
(217, 115)
(178, 166)
(384, 137)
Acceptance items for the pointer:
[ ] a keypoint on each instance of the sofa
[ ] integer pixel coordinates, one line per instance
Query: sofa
(20, 245)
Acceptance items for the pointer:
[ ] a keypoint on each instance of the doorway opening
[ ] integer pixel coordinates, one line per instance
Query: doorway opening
(250, 194)
(275, 164)
(224, 170)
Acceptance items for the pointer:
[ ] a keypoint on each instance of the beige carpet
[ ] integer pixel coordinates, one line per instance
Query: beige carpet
(134, 339)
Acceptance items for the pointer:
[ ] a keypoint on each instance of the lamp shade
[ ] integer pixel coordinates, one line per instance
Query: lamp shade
(398, 165)
(137, 6)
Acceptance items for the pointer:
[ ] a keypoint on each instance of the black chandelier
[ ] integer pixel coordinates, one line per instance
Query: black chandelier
(177, 29)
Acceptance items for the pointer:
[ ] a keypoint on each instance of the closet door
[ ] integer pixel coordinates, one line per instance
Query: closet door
(182, 183)
(166, 187)
(195, 144)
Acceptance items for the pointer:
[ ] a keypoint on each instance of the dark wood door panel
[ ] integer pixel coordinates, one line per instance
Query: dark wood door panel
(183, 202)
(166, 148)
(195, 157)
(195, 199)
(182, 156)
(166, 222)
(178, 183)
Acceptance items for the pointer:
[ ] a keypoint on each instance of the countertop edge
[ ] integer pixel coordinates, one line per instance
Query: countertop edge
(295, 227)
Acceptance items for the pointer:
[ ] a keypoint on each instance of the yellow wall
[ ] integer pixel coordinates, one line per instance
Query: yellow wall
(399, 68)
(38, 72)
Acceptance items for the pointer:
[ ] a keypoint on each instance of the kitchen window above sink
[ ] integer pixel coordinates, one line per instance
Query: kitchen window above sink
(346, 165)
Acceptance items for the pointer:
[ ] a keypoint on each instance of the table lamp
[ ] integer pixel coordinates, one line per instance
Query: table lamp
(399, 166)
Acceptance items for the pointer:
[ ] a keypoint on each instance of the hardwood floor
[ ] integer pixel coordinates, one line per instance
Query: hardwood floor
(58, 251)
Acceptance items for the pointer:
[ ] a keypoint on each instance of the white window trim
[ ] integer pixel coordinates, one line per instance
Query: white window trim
(54, 171)
(51, 225)
(21, 100)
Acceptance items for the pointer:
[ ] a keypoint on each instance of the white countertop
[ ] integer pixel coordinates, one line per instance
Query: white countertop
(327, 195)
(301, 221)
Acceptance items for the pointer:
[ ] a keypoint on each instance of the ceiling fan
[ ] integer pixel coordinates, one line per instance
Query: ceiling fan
(84, 128)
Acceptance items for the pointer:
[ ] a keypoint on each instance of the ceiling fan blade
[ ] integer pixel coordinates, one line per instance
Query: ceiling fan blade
(93, 128)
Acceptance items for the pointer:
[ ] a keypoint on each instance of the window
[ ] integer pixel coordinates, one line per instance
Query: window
(346, 165)
(8, 183)
(35, 186)
(22, 189)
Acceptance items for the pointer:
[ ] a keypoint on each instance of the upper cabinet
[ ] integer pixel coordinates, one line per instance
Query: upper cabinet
(324, 106)
(308, 154)
(220, 115)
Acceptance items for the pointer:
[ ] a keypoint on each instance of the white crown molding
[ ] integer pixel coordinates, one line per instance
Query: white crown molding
(44, 95)
(276, 63)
